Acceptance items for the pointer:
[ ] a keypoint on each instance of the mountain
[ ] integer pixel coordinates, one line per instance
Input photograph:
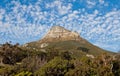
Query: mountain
(61, 39)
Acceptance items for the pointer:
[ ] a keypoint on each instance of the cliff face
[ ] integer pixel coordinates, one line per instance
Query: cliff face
(58, 33)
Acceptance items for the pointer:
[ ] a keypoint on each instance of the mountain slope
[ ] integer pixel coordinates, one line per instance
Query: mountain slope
(61, 39)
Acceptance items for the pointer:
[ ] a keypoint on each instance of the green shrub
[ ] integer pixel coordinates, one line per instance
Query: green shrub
(55, 67)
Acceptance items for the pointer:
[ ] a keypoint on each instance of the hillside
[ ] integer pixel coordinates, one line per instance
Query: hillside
(62, 39)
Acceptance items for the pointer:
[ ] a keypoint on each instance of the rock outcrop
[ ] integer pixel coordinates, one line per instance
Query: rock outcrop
(58, 33)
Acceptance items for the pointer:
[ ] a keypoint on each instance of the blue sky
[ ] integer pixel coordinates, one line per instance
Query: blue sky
(98, 21)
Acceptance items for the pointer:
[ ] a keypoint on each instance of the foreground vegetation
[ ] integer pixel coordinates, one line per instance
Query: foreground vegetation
(22, 61)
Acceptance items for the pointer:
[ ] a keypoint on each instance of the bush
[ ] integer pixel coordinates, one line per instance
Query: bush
(83, 49)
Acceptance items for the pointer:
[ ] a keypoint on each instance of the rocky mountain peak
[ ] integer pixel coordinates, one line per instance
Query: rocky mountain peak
(59, 33)
(54, 28)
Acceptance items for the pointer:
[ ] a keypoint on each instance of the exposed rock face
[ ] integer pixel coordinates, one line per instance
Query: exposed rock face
(58, 33)
(89, 55)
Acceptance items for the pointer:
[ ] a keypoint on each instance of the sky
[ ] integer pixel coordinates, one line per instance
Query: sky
(98, 21)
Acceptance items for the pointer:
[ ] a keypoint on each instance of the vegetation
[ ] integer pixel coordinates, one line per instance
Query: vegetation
(83, 49)
(23, 61)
